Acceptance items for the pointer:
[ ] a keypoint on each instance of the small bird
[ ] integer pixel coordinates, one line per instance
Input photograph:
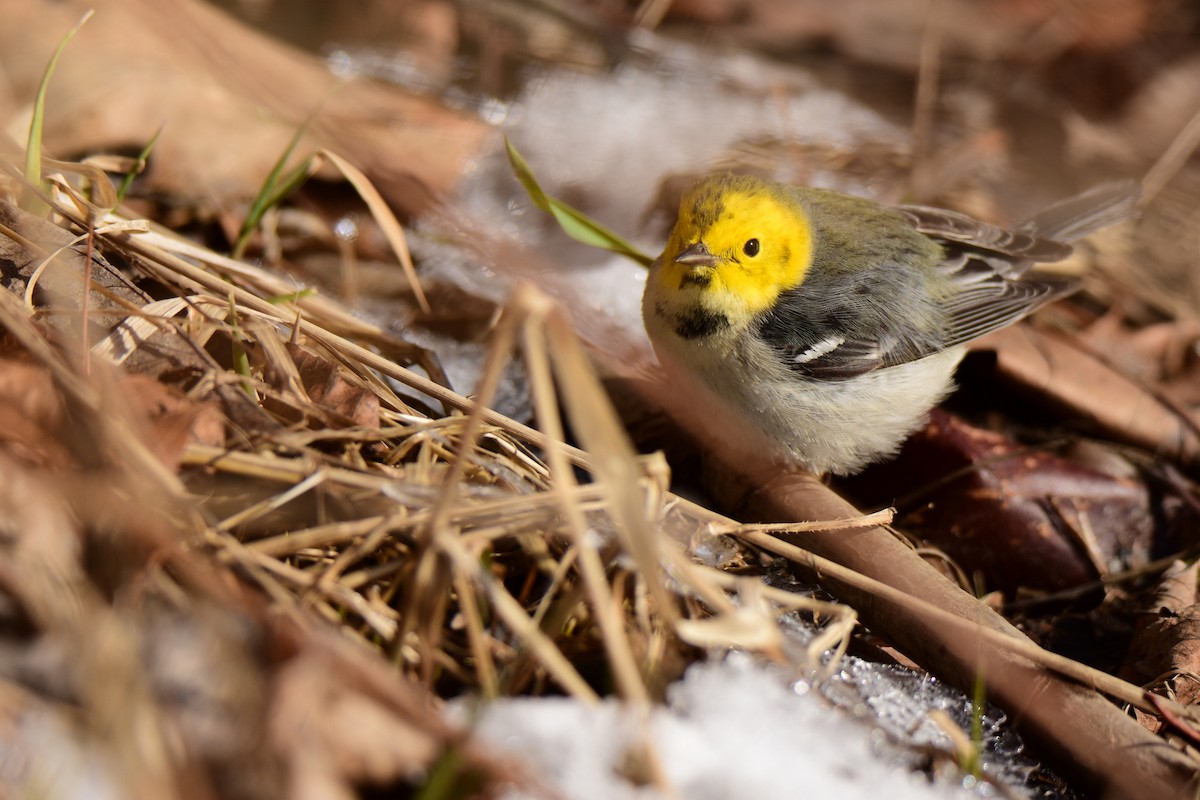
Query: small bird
(820, 328)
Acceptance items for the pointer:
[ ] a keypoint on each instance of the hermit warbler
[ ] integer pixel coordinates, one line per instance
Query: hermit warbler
(820, 328)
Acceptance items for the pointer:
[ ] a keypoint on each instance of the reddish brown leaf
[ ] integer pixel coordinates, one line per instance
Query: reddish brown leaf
(173, 421)
(1021, 518)
(31, 415)
(327, 386)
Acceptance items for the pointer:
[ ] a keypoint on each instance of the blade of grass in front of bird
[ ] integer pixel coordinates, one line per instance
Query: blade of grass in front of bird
(33, 146)
(138, 166)
(574, 222)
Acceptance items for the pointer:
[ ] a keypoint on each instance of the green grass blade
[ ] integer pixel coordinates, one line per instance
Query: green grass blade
(574, 223)
(239, 356)
(269, 193)
(138, 166)
(974, 764)
(291, 297)
(451, 776)
(33, 147)
(294, 180)
(279, 192)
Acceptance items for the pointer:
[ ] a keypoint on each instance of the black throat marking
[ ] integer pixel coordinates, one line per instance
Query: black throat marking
(696, 323)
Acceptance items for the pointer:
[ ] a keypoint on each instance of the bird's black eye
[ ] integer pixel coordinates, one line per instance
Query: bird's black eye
(750, 248)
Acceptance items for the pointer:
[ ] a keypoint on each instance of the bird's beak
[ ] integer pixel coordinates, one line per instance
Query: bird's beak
(696, 255)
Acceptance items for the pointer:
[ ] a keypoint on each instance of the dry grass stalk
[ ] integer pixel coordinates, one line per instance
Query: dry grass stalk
(447, 543)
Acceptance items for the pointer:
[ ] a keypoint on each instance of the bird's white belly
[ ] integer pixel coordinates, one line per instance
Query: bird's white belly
(836, 426)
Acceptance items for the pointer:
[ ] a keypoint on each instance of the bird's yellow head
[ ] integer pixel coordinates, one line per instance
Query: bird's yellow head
(739, 242)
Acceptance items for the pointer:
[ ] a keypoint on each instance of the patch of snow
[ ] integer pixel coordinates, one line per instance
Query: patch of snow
(733, 728)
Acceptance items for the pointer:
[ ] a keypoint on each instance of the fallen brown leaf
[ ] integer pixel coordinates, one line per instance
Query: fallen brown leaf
(171, 421)
(327, 386)
(1019, 517)
(1083, 387)
(230, 98)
